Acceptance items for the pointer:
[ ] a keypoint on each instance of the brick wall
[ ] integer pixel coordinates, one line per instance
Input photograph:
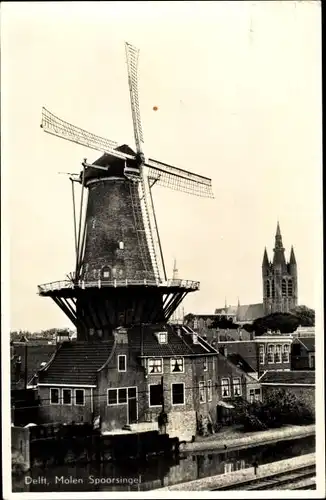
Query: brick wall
(110, 219)
(53, 413)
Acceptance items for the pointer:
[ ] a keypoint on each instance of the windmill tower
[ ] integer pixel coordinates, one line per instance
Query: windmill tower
(119, 277)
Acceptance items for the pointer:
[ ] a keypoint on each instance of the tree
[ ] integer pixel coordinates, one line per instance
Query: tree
(305, 315)
(279, 408)
(284, 322)
(189, 318)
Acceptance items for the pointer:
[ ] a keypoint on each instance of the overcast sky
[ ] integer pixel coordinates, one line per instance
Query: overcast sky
(238, 91)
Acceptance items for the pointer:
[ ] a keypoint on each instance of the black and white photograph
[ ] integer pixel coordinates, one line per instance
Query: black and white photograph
(162, 270)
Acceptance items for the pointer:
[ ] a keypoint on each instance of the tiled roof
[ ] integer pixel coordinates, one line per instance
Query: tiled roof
(308, 342)
(288, 377)
(76, 363)
(145, 342)
(238, 360)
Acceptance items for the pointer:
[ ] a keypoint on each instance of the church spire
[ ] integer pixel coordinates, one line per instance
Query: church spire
(292, 256)
(279, 257)
(265, 259)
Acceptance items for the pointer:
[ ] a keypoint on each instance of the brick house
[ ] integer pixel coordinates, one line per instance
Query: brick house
(303, 353)
(300, 383)
(121, 380)
(271, 351)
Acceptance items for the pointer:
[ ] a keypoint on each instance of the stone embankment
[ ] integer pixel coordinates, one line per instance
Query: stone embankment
(247, 440)
(244, 475)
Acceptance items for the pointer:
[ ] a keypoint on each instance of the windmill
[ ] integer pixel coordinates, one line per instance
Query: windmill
(120, 276)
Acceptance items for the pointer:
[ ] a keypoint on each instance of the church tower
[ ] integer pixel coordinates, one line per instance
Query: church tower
(280, 280)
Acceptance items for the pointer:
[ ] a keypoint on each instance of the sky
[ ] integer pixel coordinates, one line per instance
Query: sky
(238, 91)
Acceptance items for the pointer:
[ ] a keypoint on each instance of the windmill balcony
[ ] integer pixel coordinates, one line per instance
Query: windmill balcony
(67, 284)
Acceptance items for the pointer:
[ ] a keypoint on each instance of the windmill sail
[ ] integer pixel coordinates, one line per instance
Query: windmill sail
(178, 179)
(132, 55)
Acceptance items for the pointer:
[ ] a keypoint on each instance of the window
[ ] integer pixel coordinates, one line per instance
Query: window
(286, 353)
(112, 396)
(225, 385)
(177, 365)
(228, 467)
(122, 363)
(91, 331)
(209, 390)
(121, 245)
(162, 337)
(66, 396)
(254, 395)
(290, 288)
(205, 364)
(273, 289)
(155, 395)
(270, 353)
(283, 288)
(106, 274)
(122, 396)
(312, 361)
(261, 354)
(202, 393)
(268, 288)
(237, 386)
(278, 353)
(155, 365)
(79, 397)
(178, 397)
(54, 396)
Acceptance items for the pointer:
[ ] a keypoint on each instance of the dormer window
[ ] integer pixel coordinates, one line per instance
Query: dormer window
(177, 365)
(162, 337)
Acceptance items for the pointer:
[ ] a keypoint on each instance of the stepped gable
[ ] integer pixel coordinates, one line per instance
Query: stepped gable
(76, 363)
(145, 342)
(288, 377)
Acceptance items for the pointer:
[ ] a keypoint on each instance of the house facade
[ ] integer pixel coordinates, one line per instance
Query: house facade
(132, 379)
(274, 352)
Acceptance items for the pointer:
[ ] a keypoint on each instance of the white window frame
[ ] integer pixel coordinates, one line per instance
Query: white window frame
(165, 337)
(278, 350)
(123, 389)
(202, 390)
(184, 394)
(239, 386)
(272, 353)
(156, 372)
(285, 352)
(228, 387)
(261, 354)
(66, 389)
(205, 364)
(122, 356)
(149, 397)
(75, 400)
(59, 395)
(180, 359)
(251, 395)
(209, 390)
(106, 274)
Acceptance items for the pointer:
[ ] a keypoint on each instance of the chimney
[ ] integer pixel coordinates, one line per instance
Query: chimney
(120, 335)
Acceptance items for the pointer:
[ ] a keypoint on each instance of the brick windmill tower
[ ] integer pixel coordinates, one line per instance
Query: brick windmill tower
(119, 277)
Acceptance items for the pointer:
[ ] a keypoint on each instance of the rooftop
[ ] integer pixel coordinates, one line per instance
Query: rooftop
(288, 377)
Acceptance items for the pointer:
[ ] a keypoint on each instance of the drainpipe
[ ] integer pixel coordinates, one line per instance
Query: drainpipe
(162, 378)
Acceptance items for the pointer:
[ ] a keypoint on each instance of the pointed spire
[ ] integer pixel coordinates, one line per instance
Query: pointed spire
(278, 231)
(225, 305)
(279, 258)
(265, 259)
(292, 256)
(238, 302)
(278, 237)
